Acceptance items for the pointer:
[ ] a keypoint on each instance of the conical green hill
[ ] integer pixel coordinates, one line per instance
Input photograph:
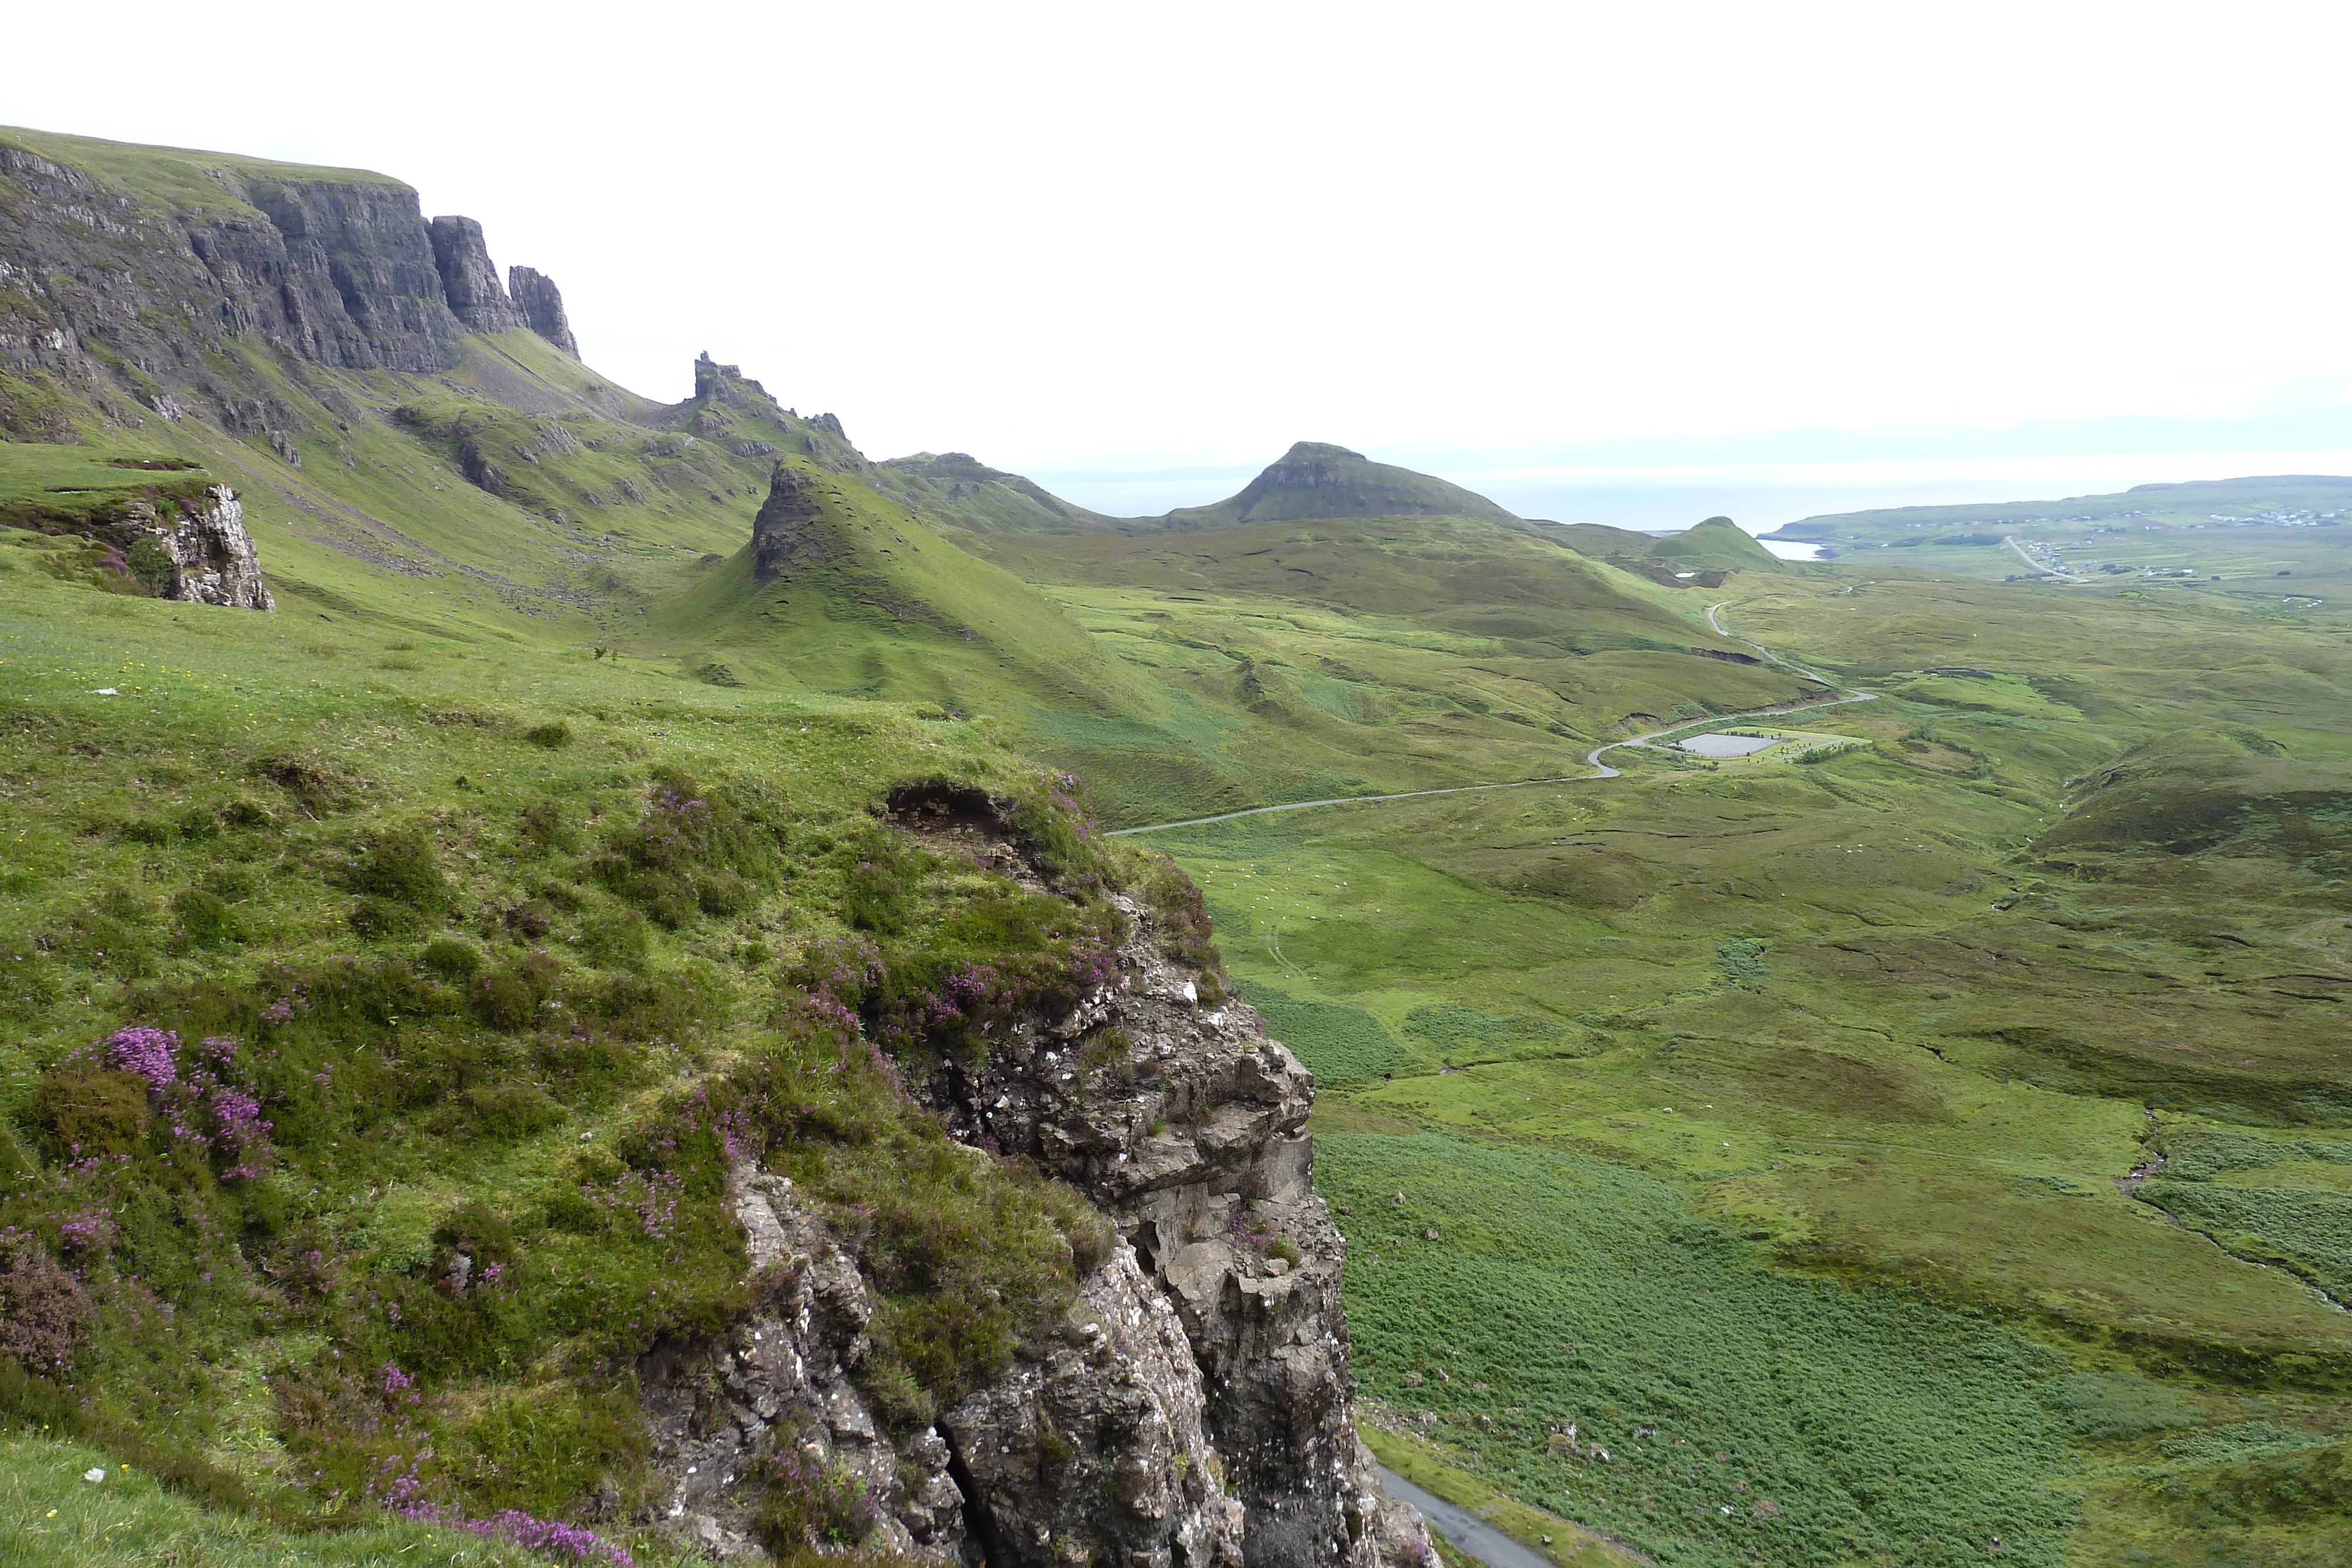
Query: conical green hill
(1315, 479)
(1717, 544)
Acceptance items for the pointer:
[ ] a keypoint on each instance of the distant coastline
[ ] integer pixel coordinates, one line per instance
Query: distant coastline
(1761, 496)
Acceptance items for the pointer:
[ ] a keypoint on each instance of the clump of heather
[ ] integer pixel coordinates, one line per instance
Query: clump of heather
(147, 1052)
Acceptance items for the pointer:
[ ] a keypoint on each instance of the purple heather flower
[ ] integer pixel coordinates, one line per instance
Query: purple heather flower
(148, 1052)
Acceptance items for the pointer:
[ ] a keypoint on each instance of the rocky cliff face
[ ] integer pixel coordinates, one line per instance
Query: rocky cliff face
(1187, 1125)
(130, 295)
(468, 281)
(1199, 1412)
(1094, 1452)
(180, 542)
(542, 305)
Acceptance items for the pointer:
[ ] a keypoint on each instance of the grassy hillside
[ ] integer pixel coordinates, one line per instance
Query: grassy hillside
(1701, 555)
(956, 490)
(890, 609)
(334, 948)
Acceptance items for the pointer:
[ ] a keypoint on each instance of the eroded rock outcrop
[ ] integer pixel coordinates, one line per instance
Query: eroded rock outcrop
(1187, 1125)
(784, 535)
(1100, 1453)
(468, 280)
(773, 1404)
(727, 385)
(541, 304)
(212, 557)
(1195, 1412)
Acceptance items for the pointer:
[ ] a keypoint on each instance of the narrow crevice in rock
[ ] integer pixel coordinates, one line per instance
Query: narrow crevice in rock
(979, 1528)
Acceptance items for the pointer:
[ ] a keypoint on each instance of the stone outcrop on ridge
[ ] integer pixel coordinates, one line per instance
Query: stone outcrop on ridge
(1197, 1415)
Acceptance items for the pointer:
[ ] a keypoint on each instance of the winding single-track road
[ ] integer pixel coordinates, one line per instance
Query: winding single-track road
(1472, 1535)
(1591, 758)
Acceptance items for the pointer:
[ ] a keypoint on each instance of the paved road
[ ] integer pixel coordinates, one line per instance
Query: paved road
(1361, 801)
(1592, 759)
(1463, 1528)
(2062, 572)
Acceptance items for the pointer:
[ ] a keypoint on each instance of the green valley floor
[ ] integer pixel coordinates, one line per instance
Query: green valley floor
(1919, 1149)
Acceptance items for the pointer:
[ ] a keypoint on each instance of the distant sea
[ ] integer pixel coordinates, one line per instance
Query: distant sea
(1758, 497)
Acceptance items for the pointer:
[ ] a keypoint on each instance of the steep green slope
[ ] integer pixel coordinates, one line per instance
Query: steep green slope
(1315, 479)
(878, 605)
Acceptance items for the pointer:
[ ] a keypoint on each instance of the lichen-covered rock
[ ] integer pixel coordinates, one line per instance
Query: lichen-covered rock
(1187, 1124)
(772, 1401)
(1097, 1453)
(213, 557)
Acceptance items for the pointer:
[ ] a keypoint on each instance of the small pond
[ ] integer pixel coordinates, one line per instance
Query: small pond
(1728, 744)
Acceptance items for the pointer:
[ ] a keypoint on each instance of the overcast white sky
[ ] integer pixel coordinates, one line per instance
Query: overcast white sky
(1125, 238)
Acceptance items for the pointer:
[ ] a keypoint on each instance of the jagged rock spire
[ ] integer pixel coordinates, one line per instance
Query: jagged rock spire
(540, 305)
(467, 278)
